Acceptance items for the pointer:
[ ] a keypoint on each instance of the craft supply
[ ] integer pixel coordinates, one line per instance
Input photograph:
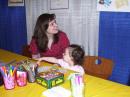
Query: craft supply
(8, 73)
(30, 67)
(44, 69)
(50, 78)
(57, 91)
(21, 78)
(31, 77)
(9, 82)
(33, 66)
(47, 68)
(36, 70)
(77, 85)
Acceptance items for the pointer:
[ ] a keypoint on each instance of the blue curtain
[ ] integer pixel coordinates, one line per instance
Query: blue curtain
(114, 43)
(13, 33)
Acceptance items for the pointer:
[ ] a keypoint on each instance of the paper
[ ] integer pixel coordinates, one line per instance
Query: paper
(46, 68)
(57, 92)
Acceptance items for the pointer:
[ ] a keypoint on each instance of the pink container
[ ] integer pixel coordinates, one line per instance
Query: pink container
(21, 78)
(9, 82)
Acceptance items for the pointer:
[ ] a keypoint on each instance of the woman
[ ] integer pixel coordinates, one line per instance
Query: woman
(47, 40)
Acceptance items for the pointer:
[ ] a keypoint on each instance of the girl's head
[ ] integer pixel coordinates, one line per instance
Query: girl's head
(75, 54)
(45, 26)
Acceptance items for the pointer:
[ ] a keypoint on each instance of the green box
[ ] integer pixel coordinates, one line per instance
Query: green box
(50, 79)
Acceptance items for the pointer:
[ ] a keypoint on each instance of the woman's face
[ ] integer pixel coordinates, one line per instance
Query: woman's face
(53, 27)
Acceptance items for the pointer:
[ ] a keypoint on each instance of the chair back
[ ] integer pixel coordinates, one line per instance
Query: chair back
(98, 66)
(26, 52)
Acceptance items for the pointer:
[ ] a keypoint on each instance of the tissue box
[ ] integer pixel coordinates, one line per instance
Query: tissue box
(50, 79)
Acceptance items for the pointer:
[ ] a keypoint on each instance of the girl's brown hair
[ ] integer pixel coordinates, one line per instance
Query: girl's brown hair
(77, 53)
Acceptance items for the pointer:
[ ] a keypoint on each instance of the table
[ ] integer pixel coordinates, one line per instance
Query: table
(94, 87)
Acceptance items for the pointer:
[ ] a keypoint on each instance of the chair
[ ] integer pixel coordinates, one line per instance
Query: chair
(98, 66)
(26, 52)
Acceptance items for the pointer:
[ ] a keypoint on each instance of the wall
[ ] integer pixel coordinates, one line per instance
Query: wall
(114, 43)
(80, 21)
(13, 34)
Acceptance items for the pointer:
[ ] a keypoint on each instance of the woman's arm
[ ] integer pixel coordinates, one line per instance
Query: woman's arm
(48, 59)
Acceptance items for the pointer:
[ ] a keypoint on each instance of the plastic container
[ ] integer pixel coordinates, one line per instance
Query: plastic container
(77, 85)
(9, 82)
(21, 78)
(31, 76)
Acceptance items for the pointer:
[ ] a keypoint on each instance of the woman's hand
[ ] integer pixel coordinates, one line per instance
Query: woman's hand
(57, 65)
(34, 56)
(38, 60)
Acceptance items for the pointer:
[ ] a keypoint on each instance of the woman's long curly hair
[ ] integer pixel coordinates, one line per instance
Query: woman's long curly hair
(40, 31)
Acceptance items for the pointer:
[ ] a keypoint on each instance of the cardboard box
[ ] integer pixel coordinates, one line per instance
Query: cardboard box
(50, 79)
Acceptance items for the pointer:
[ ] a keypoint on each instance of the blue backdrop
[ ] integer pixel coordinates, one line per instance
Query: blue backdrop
(13, 34)
(114, 43)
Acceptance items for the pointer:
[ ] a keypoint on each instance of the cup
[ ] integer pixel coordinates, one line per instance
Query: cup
(31, 76)
(21, 78)
(77, 85)
(33, 68)
(9, 82)
(30, 68)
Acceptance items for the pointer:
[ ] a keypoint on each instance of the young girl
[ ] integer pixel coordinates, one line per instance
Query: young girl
(72, 59)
